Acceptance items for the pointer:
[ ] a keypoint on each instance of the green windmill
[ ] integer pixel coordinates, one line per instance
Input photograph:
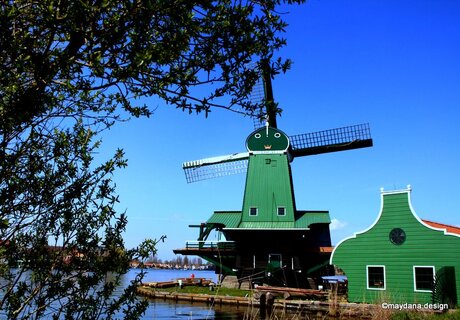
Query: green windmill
(270, 240)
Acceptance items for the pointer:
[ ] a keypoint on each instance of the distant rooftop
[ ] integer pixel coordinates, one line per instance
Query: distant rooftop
(448, 228)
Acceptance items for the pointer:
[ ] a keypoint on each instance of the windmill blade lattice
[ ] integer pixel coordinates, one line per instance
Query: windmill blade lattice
(339, 139)
(258, 96)
(210, 168)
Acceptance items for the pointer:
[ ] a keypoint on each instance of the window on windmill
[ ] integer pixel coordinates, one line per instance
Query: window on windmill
(423, 278)
(376, 277)
(253, 211)
(281, 211)
(271, 162)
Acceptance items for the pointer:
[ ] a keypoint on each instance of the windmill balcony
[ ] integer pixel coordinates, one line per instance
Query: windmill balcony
(210, 245)
(207, 248)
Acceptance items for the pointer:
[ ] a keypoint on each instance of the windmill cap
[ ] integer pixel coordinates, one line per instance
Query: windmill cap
(268, 140)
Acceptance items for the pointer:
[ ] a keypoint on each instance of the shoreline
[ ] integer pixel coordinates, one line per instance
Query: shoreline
(329, 308)
(194, 297)
(258, 303)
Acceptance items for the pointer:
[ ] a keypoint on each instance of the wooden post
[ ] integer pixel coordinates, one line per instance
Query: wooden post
(266, 305)
(262, 307)
(270, 301)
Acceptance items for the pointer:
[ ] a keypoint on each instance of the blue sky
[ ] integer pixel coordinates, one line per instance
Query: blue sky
(394, 64)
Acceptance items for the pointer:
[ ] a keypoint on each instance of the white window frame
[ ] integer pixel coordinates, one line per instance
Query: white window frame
(278, 213)
(415, 279)
(384, 277)
(253, 215)
(270, 255)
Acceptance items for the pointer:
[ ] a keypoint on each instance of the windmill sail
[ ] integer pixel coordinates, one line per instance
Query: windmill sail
(257, 96)
(339, 139)
(262, 94)
(215, 167)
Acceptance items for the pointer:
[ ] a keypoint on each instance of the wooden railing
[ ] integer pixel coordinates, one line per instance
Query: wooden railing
(210, 245)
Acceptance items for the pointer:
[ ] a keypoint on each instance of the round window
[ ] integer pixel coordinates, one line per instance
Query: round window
(397, 236)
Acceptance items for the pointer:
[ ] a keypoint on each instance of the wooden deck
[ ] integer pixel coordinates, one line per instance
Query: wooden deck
(289, 293)
(177, 282)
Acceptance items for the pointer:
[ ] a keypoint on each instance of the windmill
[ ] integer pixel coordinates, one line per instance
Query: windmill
(313, 143)
(270, 240)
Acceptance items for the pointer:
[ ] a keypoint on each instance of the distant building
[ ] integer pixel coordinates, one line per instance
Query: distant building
(401, 258)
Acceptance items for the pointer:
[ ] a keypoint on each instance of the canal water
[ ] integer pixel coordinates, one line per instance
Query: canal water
(166, 309)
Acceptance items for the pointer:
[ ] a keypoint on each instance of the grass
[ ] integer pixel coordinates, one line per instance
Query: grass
(455, 315)
(205, 290)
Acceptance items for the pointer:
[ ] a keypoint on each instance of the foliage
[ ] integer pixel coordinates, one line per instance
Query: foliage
(100, 54)
(70, 69)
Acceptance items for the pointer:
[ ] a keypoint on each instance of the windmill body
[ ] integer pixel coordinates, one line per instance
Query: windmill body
(269, 240)
(268, 197)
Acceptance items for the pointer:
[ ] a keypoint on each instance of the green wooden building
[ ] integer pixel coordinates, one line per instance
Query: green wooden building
(269, 240)
(401, 258)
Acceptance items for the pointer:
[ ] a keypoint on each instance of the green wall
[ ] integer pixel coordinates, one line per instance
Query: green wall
(423, 246)
(268, 186)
